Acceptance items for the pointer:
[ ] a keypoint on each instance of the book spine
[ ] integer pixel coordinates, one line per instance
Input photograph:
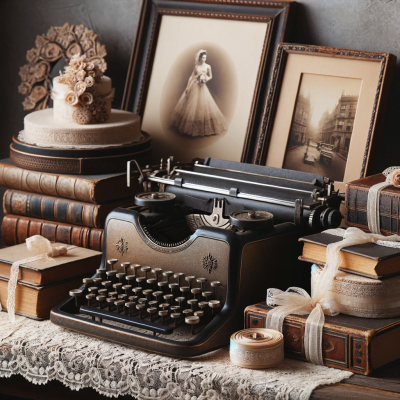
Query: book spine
(51, 208)
(343, 350)
(356, 210)
(67, 187)
(15, 230)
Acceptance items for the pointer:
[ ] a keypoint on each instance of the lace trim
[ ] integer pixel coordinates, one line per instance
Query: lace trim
(41, 352)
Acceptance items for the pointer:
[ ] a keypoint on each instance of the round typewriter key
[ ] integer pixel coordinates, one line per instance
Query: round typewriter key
(179, 276)
(199, 313)
(215, 284)
(102, 292)
(214, 304)
(111, 275)
(136, 268)
(107, 284)
(163, 314)
(174, 308)
(130, 307)
(162, 285)
(193, 321)
(130, 279)
(112, 262)
(152, 283)
(169, 298)
(97, 281)
(152, 303)
(90, 297)
(93, 289)
(168, 275)
(87, 281)
(196, 293)
(110, 302)
(127, 289)
(141, 281)
(174, 287)
(76, 293)
(147, 293)
(122, 296)
(203, 305)
(101, 299)
(180, 301)
(175, 317)
(201, 281)
(125, 266)
(192, 303)
(133, 298)
(137, 291)
(185, 290)
(158, 295)
(164, 306)
(117, 287)
(140, 307)
(187, 313)
(156, 272)
(189, 279)
(121, 277)
(146, 271)
(113, 294)
(153, 312)
(207, 295)
(101, 272)
(142, 300)
(119, 303)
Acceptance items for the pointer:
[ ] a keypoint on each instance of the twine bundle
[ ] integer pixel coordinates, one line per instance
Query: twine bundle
(256, 348)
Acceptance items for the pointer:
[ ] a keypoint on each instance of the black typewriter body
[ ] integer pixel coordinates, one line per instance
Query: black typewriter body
(176, 279)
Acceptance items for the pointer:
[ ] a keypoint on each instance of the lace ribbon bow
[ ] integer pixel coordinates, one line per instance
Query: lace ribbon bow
(392, 178)
(297, 301)
(41, 249)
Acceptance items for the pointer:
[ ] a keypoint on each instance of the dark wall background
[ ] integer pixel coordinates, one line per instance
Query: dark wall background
(355, 24)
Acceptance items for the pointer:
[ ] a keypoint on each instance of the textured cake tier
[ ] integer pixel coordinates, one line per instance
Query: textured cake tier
(63, 111)
(43, 130)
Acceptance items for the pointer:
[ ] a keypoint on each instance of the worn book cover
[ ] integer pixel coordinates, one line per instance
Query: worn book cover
(16, 229)
(367, 259)
(359, 345)
(76, 262)
(61, 210)
(356, 205)
(95, 189)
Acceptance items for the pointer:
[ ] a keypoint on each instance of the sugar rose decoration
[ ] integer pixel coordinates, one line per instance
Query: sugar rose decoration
(395, 178)
(82, 75)
(59, 42)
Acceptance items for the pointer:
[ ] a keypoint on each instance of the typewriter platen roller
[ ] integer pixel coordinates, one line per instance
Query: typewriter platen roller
(203, 244)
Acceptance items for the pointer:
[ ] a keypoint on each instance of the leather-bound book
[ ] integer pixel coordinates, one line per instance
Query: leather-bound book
(367, 259)
(389, 205)
(15, 229)
(95, 189)
(61, 210)
(359, 345)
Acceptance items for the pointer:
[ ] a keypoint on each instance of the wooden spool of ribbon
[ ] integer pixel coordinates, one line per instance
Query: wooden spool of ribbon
(256, 348)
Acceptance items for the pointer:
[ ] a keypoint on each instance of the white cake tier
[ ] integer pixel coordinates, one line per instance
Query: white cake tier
(42, 129)
(63, 111)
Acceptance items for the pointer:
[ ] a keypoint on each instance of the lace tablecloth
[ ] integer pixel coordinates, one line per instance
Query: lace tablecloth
(42, 351)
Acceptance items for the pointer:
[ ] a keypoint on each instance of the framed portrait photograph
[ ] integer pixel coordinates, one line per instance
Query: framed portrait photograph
(199, 70)
(325, 110)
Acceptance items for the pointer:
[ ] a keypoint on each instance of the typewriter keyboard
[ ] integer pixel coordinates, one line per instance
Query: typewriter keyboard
(150, 299)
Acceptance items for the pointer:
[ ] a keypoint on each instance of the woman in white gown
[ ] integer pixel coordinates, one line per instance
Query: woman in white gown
(196, 113)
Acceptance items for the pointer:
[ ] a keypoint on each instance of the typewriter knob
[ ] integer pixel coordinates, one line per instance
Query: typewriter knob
(330, 218)
(155, 199)
(250, 219)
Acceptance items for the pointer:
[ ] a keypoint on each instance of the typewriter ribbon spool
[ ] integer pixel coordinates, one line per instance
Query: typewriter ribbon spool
(256, 348)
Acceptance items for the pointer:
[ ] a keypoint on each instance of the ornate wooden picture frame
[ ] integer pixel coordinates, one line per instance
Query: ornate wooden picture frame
(324, 111)
(169, 35)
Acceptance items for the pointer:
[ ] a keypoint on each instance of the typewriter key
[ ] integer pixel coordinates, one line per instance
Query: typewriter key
(76, 293)
(147, 293)
(189, 279)
(87, 281)
(185, 291)
(164, 306)
(126, 265)
(107, 285)
(120, 304)
(192, 303)
(97, 281)
(214, 304)
(175, 317)
(180, 301)
(158, 295)
(152, 303)
(196, 293)
(146, 271)
(174, 308)
(193, 321)
(93, 289)
(111, 275)
(201, 281)
(101, 300)
(101, 272)
(142, 300)
(141, 281)
(133, 298)
(199, 313)
(156, 272)
(163, 314)
(122, 296)
(207, 295)
(203, 305)
(141, 307)
(153, 312)
(90, 297)
(215, 284)
(187, 313)
(117, 287)
(112, 262)
(168, 275)
(130, 279)
(162, 285)
(113, 294)
(179, 276)
(137, 291)
(152, 283)
(121, 277)
(174, 287)
(110, 302)
(136, 268)
(130, 307)
(127, 289)
(102, 292)
(169, 298)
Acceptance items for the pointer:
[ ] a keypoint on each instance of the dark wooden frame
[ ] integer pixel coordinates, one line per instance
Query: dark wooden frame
(388, 62)
(143, 52)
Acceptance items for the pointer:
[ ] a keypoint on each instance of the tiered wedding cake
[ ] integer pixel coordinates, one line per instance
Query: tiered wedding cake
(82, 116)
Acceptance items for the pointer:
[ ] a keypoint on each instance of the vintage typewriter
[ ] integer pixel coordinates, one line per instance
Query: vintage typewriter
(204, 242)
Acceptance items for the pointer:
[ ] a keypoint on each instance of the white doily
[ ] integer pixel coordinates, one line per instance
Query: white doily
(42, 351)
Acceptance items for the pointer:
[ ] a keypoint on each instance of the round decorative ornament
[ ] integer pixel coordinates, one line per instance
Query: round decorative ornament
(256, 348)
(59, 42)
(362, 297)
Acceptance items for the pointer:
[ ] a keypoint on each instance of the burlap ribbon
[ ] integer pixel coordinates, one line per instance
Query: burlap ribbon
(41, 249)
(297, 301)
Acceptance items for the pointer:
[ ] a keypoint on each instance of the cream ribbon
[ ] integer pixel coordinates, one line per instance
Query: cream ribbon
(41, 249)
(56, 95)
(297, 301)
(374, 195)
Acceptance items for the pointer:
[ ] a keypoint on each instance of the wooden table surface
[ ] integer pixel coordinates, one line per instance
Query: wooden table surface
(383, 386)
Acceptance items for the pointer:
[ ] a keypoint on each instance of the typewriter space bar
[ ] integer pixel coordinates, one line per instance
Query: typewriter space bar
(125, 319)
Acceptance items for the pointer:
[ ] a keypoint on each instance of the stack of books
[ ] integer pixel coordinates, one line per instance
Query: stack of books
(69, 209)
(365, 335)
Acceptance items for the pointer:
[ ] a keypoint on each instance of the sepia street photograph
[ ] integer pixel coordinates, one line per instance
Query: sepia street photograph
(322, 125)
